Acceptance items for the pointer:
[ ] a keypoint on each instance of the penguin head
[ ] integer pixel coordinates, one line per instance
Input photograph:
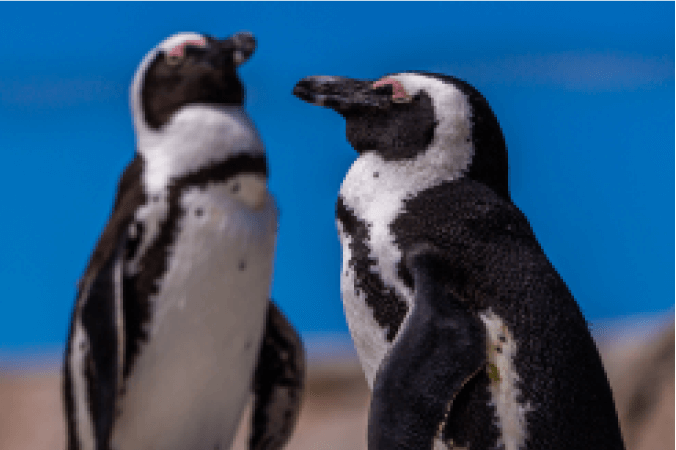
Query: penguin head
(185, 69)
(412, 116)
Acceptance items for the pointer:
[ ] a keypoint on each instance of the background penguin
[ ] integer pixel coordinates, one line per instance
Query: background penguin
(173, 328)
(464, 329)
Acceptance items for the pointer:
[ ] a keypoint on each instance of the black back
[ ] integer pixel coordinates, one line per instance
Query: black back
(498, 264)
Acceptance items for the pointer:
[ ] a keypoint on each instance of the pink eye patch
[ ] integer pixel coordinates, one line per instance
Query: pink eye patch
(179, 50)
(399, 94)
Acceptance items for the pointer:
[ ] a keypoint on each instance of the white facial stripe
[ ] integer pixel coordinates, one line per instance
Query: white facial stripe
(511, 415)
(179, 50)
(451, 150)
(178, 39)
(83, 418)
(137, 82)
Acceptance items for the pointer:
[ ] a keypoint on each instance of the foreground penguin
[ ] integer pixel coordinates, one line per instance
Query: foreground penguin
(173, 328)
(468, 336)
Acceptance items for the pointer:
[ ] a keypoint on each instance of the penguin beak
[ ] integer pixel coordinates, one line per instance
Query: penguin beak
(344, 95)
(239, 47)
(244, 44)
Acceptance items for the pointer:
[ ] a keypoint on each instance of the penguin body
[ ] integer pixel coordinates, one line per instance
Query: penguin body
(467, 335)
(173, 315)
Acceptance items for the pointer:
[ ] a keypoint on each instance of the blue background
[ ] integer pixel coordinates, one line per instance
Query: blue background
(584, 93)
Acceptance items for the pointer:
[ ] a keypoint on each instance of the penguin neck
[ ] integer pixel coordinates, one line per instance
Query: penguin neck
(376, 186)
(446, 159)
(197, 136)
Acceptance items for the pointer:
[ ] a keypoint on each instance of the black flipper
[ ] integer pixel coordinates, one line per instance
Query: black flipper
(97, 308)
(441, 348)
(278, 383)
(101, 318)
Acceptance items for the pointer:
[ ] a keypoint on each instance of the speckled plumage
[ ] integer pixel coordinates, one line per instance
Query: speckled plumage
(467, 335)
(173, 329)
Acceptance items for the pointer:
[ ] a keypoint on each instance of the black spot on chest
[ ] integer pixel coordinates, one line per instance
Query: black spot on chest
(389, 310)
(154, 263)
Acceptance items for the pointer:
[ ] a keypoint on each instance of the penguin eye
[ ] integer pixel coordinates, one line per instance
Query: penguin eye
(173, 59)
(385, 89)
(176, 55)
(397, 91)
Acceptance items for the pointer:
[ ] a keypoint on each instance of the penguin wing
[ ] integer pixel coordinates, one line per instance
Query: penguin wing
(278, 383)
(440, 349)
(93, 366)
(129, 197)
(101, 318)
(130, 181)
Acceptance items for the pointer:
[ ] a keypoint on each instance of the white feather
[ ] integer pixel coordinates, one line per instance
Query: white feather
(137, 83)
(379, 200)
(196, 136)
(504, 390)
(77, 361)
(191, 380)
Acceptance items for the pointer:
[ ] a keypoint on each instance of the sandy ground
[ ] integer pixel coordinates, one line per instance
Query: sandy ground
(333, 415)
(336, 401)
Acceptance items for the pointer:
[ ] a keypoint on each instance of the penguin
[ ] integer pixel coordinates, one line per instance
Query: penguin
(173, 332)
(468, 336)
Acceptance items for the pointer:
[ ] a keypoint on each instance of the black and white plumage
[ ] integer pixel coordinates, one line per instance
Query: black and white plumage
(173, 328)
(468, 336)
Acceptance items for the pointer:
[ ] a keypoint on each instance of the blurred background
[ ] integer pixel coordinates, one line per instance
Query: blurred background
(584, 93)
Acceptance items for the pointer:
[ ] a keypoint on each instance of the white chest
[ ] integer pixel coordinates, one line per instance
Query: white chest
(370, 339)
(373, 194)
(191, 379)
(375, 191)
